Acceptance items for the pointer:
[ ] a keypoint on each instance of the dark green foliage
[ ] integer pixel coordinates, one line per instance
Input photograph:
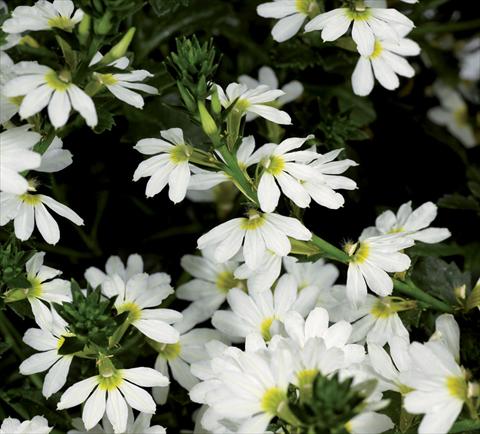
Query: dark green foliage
(331, 405)
(12, 265)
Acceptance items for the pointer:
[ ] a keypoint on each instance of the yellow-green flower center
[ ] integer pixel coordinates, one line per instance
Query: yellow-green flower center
(111, 382)
(242, 105)
(358, 14)
(17, 100)
(403, 389)
(377, 50)
(57, 82)
(170, 351)
(382, 309)
(274, 165)
(107, 79)
(457, 387)
(180, 154)
(226, 281)
(307, 7)
(305, 378)
(36, 287)
(134, 311)
(461, 116)
(253, 222)
(30, 199)
(265, 328)
(361, 255)
(271, 400)
(60, 22)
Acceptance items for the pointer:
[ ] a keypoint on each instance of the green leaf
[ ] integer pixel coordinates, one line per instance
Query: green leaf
(166, 7)
(457, 201)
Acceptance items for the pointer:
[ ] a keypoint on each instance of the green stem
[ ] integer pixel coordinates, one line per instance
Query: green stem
(330, 250)
(413, 291)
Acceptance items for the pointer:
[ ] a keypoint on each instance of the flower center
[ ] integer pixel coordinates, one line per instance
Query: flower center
(461, 116)
(457, 387)
(306, 377)
(265, 328)
(60, 22)
(36, 289)
(226, 281)
(242, 105)
(134, 310)
(107, 79)
(382, 310)
(377, 50)
(56, 82)
(359, 14)
(307, 7)
(60, 342)
(271, 400)
(274, 165)
(30, 199)
(170, 351)
(361, 255)
(111, 382)
(253, 222)
(180, 154)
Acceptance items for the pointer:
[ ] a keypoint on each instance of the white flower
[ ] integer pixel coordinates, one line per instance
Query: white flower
(440, 387)
(48, 340)
(371, 259)
(171, 165)
(262, 312)
(55, 158)
(120, 84)
(453, 113)
(8, 106)
(385, 62)
(413, 224)
(376, 320)
(368, 23)
(470, 60)
(257, 232)
(28, 209)
(447, 333)
(43, 16)
(140, 425)
(136, 296)
(292, 14)
(264, 276)
(37, 425)
(178, 357)
(388, 367)
(15, 157)
(210, 284)
(44, 285)
(369, 422)
(41, 86)
(266, 76)
(257, 101)
(111, 394)
(251, 389)
(114, 266)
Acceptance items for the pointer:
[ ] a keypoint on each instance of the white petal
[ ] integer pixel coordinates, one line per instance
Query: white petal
(56, 376)
(178, 182)
(268, 193)
(77, 393)
(46, 224)
(157, 330)
(38, 362)
(137, 398)
(287, 27)
(362, 77)
(59, 109)
(363, 36)
(35, 101)
(117, 411)
(83, 104)
(94, 408)
(145, 377)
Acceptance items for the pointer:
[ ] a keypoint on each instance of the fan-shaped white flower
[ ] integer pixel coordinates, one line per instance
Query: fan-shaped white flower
(439, 387)
(15, 157)
(36, 425)
(111, 393)
(43, 15)
(171, 166)
(370, 260)
(262, 277)
(140, 425)
(453, 114)
(257, 101)
(266, 76)
(291, 13)
(368, 23)
(385, 62)
(447, 333)
(55, 158)
(257, 232)
(48, 341)
(44, 285)
(137, 297)
(211, 282)
(178, 357)
(41, 86)
(27, 210)
(8, 106)
(413, 224)
(120, 84)
(376, 320)
(262, 312)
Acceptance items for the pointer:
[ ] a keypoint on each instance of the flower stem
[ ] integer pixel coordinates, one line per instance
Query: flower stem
(413, 291)
(330, 250)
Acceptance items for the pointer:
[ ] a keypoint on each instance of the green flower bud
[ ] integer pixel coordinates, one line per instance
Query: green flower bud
(84, 28)
(216, 105)
(120, 48)
(104, 24)
(208, 123)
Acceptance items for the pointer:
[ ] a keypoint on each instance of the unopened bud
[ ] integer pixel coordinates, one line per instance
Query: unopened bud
(349, 248)
(216, 104)
(104, 24)
(461, 291)
(119, 49)
(208, 123)
(84, 28)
